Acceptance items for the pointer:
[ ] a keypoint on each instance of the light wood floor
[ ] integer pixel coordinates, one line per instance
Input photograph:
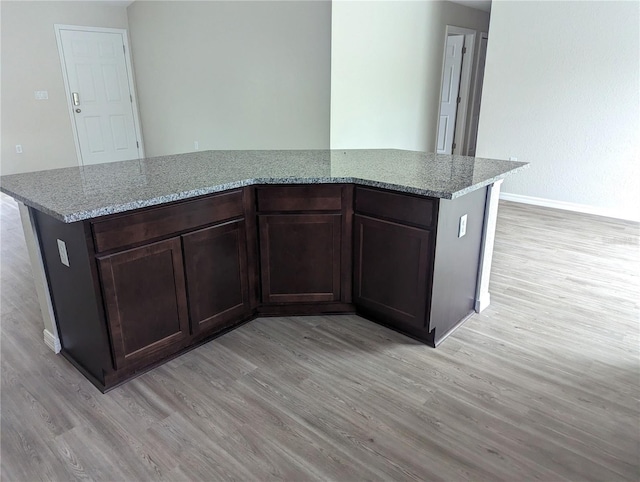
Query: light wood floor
(542, 385)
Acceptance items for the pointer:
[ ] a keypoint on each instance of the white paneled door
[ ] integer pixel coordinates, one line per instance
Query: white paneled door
(100, 95)
(450, 88)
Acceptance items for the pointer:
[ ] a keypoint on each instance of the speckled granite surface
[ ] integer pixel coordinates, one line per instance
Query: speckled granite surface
(77, 193)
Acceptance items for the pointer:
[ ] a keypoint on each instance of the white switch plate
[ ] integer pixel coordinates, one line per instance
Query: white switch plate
(62, 249)
(41, 94)
(462, 227)
(19, 148)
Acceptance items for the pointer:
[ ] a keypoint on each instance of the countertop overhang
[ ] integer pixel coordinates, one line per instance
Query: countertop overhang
(78, 193)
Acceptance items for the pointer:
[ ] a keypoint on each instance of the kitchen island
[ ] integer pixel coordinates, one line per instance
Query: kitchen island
(138, 261)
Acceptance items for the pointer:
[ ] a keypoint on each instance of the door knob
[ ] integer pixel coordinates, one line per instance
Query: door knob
(78, 111)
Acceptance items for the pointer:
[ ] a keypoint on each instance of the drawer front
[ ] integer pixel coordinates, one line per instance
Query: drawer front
(314, 197)
(154, 223)
(398, 207)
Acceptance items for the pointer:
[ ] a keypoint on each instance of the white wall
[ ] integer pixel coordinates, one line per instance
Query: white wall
(30, 62)
(386, 70)
(561, 90)
(232, 75)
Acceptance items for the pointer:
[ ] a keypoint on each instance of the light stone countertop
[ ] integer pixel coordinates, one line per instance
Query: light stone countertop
(78, 193)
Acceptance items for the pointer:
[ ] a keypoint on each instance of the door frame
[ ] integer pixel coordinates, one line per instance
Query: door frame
(476, 92)
(464, 89)
(129, 65)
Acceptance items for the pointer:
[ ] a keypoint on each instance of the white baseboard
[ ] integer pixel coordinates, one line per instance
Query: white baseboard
(567, 206)
(483, 302)
(52, 341)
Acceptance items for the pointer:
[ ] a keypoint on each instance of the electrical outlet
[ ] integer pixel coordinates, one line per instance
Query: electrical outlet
(513, 158)
(62, 249)
(41, 94)
(462, 227)
(196, 145)
(19, 148)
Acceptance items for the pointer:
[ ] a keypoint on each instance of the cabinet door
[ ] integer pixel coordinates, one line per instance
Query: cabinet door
(300, 257)
(145, 300)
(392, 263)
(217, 280)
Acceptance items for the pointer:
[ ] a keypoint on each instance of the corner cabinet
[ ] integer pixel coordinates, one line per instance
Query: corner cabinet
(305, 239)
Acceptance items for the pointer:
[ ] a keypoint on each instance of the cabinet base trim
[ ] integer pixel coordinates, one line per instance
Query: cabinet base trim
(88, 375)
(52, 341)
(301, 309)
(440, 339)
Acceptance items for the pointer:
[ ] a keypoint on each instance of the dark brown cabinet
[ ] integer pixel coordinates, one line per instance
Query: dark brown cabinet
(145, 302)
(160, 297)
(300, 257)
(391, 271)
(215, 261)
(412, 270)
(304, 237)
(143, 286)
(394, 237)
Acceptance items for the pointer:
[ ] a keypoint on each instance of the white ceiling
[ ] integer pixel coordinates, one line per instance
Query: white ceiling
(484, 5)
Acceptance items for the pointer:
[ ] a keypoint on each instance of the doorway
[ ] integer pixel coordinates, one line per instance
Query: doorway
(97, 73)
(459, 47)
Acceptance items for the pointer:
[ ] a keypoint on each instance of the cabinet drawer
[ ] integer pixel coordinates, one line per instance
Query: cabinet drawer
(399, 207)
(314, 197)
(154, 223)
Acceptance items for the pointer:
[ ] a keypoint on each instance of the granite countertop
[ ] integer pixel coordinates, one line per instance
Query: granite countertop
(77, 193)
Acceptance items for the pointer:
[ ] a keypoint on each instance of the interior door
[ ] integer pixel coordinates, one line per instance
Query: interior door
(449, 99)
(100, 95)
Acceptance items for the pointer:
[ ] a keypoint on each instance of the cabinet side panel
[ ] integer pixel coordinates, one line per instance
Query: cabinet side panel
(81, 326)
(455, 271)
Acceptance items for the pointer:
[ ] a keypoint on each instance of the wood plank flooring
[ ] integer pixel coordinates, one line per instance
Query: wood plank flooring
(543, 385)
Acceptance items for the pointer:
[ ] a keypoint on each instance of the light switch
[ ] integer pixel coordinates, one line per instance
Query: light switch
(41, 94)
(62, 249)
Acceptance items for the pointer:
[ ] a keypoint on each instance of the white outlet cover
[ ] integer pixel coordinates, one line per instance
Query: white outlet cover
(41, 94)
(62, 249)
(462, 227)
